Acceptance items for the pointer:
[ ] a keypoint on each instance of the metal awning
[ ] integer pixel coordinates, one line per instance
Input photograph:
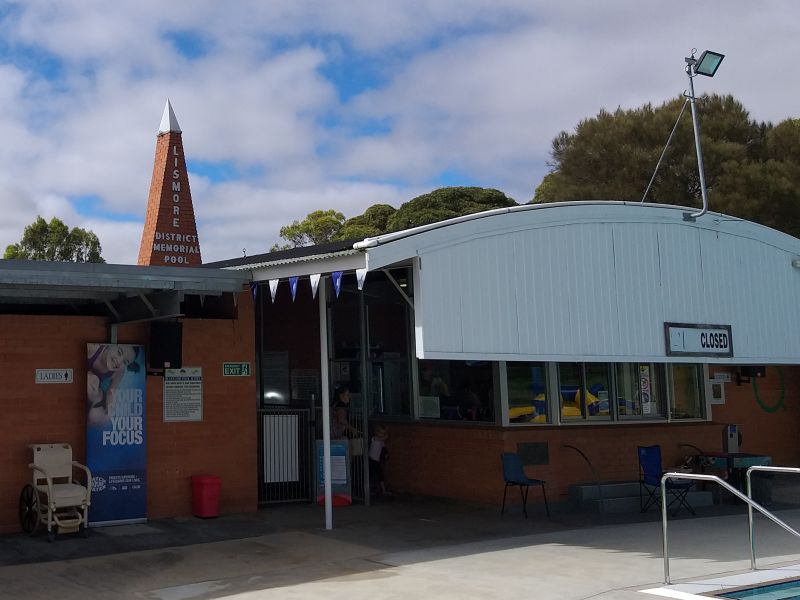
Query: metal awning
(127, 292)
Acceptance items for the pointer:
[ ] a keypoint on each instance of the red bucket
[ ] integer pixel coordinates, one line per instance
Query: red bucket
(205, 495)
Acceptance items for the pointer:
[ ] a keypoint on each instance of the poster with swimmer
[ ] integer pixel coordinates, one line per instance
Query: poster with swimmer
(115, 433)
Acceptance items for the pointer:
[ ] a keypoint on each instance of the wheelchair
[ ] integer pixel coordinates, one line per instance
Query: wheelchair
(53, 497)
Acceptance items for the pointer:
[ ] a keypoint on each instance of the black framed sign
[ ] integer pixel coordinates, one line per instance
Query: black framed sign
(694, 339)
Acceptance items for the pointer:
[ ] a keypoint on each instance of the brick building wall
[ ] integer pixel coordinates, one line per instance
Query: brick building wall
(463, 462)
(224, 443)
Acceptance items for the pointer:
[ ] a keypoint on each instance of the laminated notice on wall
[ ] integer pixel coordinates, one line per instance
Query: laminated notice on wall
(183, 394)
(644, 387)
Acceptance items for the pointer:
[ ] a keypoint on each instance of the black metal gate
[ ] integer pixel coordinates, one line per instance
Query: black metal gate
(285, 457)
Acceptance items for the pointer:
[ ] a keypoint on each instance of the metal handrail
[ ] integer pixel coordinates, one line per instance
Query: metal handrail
(727, 486)
(750, 508)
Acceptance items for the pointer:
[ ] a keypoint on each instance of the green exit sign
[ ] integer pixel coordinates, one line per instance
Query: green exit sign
(236, 369)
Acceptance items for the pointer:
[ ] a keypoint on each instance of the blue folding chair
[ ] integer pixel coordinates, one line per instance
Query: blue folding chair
(514, 474)
(650, 473)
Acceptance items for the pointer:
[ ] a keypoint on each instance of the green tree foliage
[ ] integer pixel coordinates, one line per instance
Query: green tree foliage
(57, 242)
(446, 203)
(752, 169)
(318, 227)
(374, 221)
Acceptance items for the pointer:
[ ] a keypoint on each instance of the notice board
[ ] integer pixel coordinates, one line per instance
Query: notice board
(183, 394)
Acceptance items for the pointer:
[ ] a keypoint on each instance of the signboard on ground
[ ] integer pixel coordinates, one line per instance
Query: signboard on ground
(116, 439)
(340, 473)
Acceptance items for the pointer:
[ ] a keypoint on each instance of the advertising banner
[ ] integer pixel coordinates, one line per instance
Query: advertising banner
(115, 433)
(340, 473)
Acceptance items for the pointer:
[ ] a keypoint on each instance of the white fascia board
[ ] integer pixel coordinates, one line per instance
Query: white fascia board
(474, 356)
(301, 268)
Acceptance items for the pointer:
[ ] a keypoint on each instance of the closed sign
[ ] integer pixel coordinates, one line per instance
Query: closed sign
(688, 339)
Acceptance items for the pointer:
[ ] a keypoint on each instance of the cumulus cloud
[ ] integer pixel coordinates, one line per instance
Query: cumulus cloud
(462, 91)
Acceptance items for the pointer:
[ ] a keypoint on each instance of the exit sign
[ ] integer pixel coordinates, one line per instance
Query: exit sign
(236, 369)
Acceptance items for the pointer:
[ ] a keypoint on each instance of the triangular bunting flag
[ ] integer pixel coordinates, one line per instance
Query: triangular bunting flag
(336, 277)
(361, 275)
(273, 288)
(293, 286)
(314, 285)
(254, 289)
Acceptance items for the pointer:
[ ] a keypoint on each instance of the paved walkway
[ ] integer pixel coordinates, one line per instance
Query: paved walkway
(399, 548)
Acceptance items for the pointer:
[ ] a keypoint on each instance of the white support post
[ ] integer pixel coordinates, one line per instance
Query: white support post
(326, 401)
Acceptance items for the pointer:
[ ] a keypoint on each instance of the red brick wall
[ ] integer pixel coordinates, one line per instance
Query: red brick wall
(223, 444)
(464, 462)
(763, 432)
(160, 205)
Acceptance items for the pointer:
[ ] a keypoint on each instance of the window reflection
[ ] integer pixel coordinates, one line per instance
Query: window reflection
(687, 397)
(456, 390)
(527, 392)
(639, 390)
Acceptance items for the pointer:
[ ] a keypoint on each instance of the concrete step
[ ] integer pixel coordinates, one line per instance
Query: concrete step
(586, 492)
(623, 496)
(630, 504)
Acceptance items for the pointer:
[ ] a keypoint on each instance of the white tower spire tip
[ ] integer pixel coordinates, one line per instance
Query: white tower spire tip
(169, 122)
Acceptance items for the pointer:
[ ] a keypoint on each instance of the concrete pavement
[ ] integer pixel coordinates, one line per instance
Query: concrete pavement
(399, 548)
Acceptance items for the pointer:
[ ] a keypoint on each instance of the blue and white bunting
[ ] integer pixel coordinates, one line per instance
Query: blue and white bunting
(336, 277)
(254, 289)
(314, 284)
(361, 275)
(273, 288)
(293, 286)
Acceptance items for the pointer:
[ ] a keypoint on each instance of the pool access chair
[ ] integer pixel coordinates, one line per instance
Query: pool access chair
(514, 474)
(54, 498)
(650, 472)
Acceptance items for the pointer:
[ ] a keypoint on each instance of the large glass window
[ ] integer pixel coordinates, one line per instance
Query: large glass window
(584, 390)
(686, 393)
(456, 390)
(640, 391)
(527, 392)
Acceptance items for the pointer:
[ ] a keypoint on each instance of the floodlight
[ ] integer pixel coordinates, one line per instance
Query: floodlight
(708, 63)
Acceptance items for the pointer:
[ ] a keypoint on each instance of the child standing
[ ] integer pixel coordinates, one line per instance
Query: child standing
(377, 456)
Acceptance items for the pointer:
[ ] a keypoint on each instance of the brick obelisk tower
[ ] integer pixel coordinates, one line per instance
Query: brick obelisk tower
(170, 232)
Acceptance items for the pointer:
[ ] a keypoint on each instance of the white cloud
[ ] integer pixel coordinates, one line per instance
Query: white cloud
(468, 87)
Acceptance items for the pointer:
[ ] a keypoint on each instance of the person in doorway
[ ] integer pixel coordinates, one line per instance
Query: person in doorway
(431, 382)
(470, 401)
(341, 427)
(105, 369)
(378, 453)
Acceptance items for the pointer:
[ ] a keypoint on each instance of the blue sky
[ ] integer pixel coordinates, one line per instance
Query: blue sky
(290, 106)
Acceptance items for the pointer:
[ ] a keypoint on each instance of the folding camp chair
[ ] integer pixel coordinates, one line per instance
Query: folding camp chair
(54, 497)
(650, 473)
(514, 474)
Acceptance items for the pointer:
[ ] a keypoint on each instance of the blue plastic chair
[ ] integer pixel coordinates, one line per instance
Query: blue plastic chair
(650, 472)
(514, 474)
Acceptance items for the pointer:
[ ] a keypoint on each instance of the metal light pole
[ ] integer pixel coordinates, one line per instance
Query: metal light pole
(707, 65)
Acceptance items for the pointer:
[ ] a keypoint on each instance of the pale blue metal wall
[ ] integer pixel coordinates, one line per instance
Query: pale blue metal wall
(597, 281)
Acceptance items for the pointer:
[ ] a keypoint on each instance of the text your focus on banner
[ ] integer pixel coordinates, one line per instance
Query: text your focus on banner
(115, 432)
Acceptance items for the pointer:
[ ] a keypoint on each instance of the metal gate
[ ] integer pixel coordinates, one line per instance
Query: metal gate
(285, 459)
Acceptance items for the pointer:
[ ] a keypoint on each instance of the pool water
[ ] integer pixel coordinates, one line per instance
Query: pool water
(777, 591)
